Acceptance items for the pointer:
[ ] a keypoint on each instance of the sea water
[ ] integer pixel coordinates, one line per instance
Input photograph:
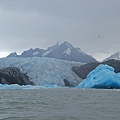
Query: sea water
(60, 104)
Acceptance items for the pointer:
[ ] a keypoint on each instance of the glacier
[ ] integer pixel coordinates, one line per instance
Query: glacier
(102, 76)
(44, 71)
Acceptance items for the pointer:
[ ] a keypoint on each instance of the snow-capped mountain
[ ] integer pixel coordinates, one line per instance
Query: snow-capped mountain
(43, 71)
(64, 51)
(115, 56)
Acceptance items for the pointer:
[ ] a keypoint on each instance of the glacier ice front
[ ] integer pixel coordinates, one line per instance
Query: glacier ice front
(43, 71)
(102, 76)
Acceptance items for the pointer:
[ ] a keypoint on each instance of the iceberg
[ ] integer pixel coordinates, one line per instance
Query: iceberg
(10, 87)
(102, 76)
(19, 87)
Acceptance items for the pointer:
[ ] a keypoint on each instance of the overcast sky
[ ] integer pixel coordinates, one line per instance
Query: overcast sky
(92, 25)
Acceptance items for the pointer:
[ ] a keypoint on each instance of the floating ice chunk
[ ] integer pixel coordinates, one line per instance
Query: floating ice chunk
(101, 77)
(12, 87)
(18, 87)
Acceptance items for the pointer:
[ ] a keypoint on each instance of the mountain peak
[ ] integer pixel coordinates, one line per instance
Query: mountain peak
(115, 56)
(57, 43)
(13, 54)
(64, 51)
(54, 46)
(66, 42)
(68, 45)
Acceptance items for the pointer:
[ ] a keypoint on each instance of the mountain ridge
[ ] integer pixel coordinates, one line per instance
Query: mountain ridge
(64, 51)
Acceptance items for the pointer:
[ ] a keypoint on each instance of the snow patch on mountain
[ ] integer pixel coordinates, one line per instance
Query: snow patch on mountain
(35, 53)
(68, 51)
(46, 53)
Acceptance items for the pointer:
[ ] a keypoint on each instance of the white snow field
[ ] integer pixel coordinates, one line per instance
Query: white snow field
(44, 71)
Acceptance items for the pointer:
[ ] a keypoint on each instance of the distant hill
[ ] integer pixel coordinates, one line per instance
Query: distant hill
(64, 51)
(115, 56)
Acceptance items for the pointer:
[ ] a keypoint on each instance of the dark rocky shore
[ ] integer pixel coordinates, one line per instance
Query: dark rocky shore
(13, 75)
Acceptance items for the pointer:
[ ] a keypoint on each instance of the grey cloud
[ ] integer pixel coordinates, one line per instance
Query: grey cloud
(92, 25)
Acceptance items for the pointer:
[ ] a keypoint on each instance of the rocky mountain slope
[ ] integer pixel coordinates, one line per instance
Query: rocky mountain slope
(64, 51)
(13, 75)
(84, 70)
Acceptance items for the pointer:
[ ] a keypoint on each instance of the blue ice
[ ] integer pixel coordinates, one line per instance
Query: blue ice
(18, 87)
(102, 76)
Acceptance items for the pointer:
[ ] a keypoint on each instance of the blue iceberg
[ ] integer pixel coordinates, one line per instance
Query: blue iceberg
(102, 76)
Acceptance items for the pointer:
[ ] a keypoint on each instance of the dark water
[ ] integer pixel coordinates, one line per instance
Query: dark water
(59, 104)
